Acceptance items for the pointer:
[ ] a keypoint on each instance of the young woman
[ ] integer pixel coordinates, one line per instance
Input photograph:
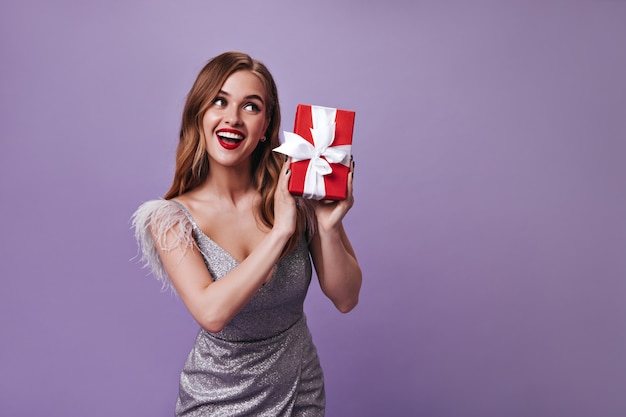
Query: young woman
(236, 246)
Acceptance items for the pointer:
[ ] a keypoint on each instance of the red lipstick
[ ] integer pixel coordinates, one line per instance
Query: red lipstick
(229, 138)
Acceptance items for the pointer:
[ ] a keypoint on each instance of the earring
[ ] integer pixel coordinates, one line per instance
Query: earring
(262, 139)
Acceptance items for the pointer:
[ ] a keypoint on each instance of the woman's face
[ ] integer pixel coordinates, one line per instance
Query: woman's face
(236, 120)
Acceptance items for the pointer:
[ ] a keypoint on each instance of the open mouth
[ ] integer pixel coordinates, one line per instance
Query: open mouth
(229, 138)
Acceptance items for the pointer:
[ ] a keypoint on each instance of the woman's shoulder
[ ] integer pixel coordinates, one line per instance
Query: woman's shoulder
(156, 207)
(160, 216)
(162, 224)
(159, 211)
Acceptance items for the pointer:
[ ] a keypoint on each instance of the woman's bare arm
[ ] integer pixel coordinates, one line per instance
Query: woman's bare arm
(214, 303)
(335, 262)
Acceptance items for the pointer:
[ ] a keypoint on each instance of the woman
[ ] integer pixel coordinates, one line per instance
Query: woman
(236, 246)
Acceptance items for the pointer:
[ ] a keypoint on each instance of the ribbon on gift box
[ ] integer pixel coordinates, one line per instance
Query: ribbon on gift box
(320, 152)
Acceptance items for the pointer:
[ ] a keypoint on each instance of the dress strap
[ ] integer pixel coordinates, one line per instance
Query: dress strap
(187, 214)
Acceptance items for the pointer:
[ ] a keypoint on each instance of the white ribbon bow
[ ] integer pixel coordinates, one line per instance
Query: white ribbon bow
(300, 149)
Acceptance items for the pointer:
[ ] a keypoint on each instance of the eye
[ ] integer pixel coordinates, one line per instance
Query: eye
(219, 101)
(252, 107)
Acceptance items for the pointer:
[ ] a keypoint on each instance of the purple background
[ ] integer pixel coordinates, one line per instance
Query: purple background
(490, 185)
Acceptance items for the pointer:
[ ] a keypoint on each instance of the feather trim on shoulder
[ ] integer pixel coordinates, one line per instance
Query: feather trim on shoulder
(156, 218)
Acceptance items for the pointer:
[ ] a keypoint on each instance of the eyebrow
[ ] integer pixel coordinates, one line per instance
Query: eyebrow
(251, 96)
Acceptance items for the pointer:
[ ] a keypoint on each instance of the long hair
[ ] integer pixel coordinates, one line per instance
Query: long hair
(192, 162)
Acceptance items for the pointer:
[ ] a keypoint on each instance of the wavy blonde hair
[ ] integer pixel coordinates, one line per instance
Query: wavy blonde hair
(192, 162)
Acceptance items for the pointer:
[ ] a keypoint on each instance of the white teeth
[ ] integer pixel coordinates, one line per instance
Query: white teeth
(230, 135)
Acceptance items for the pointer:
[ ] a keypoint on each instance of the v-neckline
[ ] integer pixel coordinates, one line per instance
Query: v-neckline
(200, 231)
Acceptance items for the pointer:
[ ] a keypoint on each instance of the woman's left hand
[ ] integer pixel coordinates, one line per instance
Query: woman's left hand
(335, 262)
(330, 213)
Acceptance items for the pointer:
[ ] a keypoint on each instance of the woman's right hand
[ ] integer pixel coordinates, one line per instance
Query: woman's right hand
(285, 211)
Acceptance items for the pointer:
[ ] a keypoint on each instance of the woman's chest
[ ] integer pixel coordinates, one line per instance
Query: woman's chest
(236, 232)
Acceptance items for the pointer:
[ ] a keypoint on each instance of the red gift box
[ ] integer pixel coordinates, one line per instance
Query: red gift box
(320, 168)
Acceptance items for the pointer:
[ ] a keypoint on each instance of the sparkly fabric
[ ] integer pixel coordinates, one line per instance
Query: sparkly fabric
(263, 363)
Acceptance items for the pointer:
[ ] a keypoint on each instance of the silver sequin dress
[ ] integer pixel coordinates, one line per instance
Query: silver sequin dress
(263, 363)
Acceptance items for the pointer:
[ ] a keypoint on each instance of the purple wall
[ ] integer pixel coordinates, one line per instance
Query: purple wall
(491, 199)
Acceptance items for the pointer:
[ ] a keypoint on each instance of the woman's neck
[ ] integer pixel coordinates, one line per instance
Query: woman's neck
(228, 183)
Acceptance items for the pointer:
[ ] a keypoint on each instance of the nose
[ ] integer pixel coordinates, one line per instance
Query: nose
(232, 117)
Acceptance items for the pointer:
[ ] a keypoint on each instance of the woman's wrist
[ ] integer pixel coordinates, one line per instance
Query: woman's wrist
(329, 229)
(280, 234)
